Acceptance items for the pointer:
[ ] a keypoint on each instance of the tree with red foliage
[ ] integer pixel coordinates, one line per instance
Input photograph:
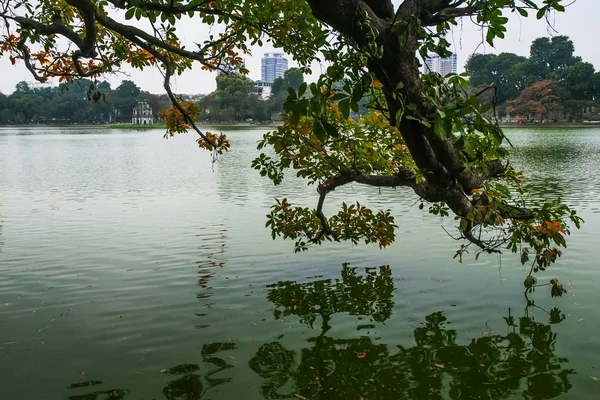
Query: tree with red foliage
(539, 101)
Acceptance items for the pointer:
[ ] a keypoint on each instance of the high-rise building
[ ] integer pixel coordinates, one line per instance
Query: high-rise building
(442, 66)
(273, 66)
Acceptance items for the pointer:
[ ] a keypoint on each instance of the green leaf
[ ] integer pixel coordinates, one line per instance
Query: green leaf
(302, 89)
(399, 115)
(330, 129)
(129, 13)
(441, 127)
(450, 106)
(319, 130)
(357, 94)
(541, 12)
(340, 96)
(345, 107)
(497, 136)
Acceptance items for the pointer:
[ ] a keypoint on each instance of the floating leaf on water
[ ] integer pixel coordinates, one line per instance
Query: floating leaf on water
(163, 371)
(595, 378)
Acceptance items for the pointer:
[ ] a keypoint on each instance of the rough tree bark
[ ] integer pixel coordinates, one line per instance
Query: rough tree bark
(450, 179)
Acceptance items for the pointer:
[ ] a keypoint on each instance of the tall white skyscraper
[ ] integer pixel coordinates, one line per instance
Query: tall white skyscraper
(273, 66)
(442, 66)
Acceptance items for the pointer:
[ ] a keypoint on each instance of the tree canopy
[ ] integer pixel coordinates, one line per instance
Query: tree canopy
(233, 99)
(425, 132)
(69, 103)
(551, 59)
(292, 78)
(236, 100)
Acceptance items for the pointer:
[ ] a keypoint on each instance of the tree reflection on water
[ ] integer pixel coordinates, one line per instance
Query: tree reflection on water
(519, 363)
(189, 385)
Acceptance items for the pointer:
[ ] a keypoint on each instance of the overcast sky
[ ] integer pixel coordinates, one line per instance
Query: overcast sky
(579, 22)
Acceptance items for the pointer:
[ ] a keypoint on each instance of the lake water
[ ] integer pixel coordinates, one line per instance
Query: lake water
(129, 269)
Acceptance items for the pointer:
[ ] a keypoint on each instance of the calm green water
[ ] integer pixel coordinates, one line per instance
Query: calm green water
(130, 270)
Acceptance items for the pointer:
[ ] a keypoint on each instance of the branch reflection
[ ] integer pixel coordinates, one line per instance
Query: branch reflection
(111, 394)
(520, 363)
(189, 385)
(370, 294)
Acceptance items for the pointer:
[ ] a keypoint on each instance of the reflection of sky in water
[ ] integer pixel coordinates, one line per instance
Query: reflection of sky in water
(562, 162)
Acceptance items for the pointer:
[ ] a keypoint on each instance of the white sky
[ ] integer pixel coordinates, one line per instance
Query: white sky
(579, 22)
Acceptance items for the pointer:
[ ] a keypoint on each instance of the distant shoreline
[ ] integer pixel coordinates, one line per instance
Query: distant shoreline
(136, 127)
(553, 125)
(238, 125)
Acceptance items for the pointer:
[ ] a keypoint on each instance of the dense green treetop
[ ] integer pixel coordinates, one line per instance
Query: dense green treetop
(499, 70)
(425, 133)
(233, 99)
(292, 78)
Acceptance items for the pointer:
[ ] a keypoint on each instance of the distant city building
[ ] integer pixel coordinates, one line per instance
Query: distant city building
(38, 85)
(442, 66)
(263, 89)
(142, 114)
(194, 98)
(273, 66)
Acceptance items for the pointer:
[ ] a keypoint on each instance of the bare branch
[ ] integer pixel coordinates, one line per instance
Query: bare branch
(26, 58)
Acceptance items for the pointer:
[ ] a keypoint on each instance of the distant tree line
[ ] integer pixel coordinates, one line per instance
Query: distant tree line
(77, 102)
(236, 100)
(552, 81)
(87, 102)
